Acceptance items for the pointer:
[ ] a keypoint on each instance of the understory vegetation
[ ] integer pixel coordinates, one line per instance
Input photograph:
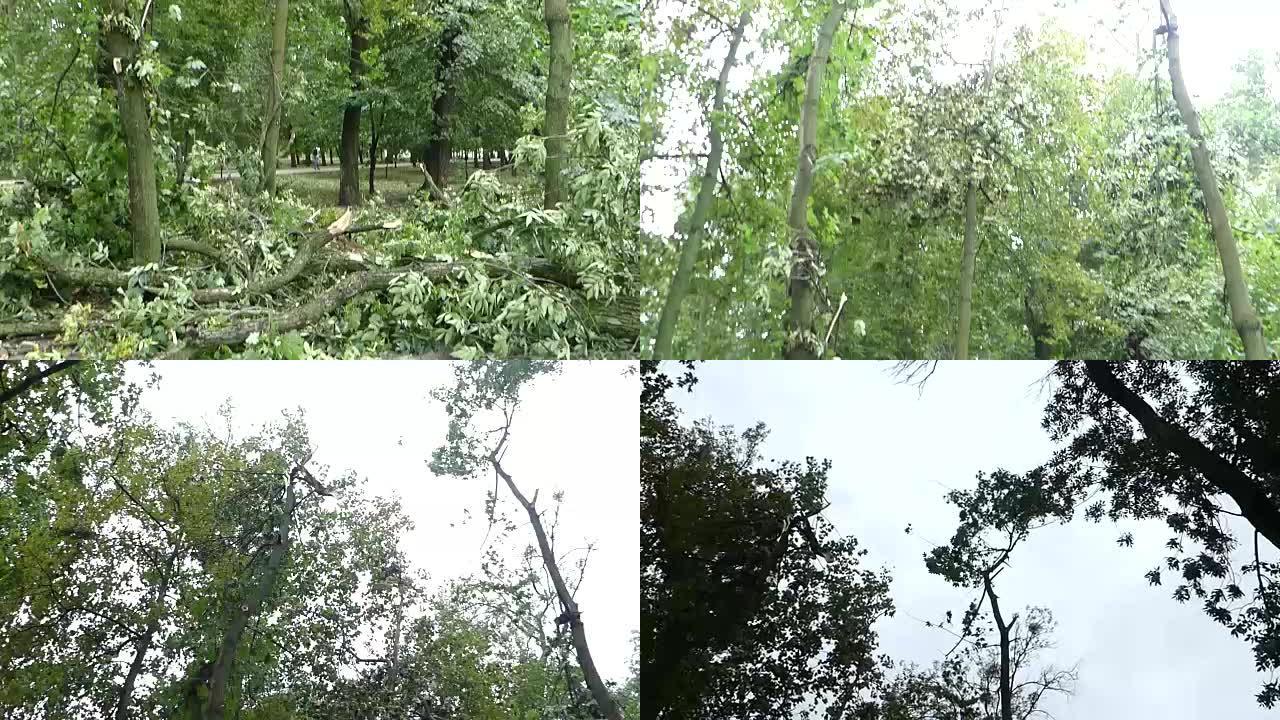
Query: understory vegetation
(918, 180)
(210, 179)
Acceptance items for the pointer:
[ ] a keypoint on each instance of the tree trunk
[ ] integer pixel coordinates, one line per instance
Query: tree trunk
(184, 157)
(599, 692)
(216, 704)
(373, 148)
(968, 260)
(702, 206)
(969, 256)
(559, 78)
(144, 212)
(143, 645)
(1006, 679)
(349, 147)
(1243, 317)
(275, 96)
(801, 342)
(438, 150)
(1038, 331)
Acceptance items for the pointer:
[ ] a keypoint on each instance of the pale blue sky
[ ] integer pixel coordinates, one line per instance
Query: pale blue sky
(896, 451)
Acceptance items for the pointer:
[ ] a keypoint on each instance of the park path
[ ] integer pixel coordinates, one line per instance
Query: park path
(229, 175)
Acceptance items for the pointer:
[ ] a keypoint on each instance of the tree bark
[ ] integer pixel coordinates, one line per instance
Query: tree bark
(1039, 332)
(801, 342)
(702, 206)
(373, 148)
(439, 149)
(559, 78)
(599, 692)
(215, 707)
(1243, 316)
(275, 96)
(349, 156)
(144, 212)
(969, 256)
(183, 158)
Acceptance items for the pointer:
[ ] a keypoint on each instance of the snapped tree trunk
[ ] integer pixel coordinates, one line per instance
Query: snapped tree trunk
(215, 707)
(599, 692)
(702, 206)
(1243, 316)
(144, 211)
(801, 341)
(275, 96)
(559, 77)
(969, 256)
(349, 155)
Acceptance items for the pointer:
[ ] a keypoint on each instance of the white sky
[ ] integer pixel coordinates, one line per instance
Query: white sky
(576, 432)
(895, 452)
(1216, 34)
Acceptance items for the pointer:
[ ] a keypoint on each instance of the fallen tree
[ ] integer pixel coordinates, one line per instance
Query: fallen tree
(215, 317)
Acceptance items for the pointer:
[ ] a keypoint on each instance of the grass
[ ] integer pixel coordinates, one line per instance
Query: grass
(394, 184)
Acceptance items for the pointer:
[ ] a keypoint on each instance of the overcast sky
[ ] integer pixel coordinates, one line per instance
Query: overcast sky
(895, 452)
(1216, 34)
(576, 432)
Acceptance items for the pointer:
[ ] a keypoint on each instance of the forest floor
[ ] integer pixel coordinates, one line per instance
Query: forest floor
(394, 184)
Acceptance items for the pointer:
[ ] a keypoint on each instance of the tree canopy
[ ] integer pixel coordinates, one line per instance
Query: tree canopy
(159, 570)
(942, 180)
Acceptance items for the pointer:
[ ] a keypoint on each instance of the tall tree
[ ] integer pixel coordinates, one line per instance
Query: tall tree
(485, 389)
(969, 255)
(706, 196)
(555, 124)
(742, 581)
(801, 341)
(275, 96)
(122, 34)
(357, 21)
(1243, 317)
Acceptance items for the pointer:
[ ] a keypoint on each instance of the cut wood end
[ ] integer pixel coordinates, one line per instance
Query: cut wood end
(340, 225)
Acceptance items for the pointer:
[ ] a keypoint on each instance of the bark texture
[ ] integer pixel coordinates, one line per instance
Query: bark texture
(801, 341)
(559, 78)
(275, 96)
(349, 152)
(702, 206)
(440, 149)
(1243, 316)
(144, 211)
